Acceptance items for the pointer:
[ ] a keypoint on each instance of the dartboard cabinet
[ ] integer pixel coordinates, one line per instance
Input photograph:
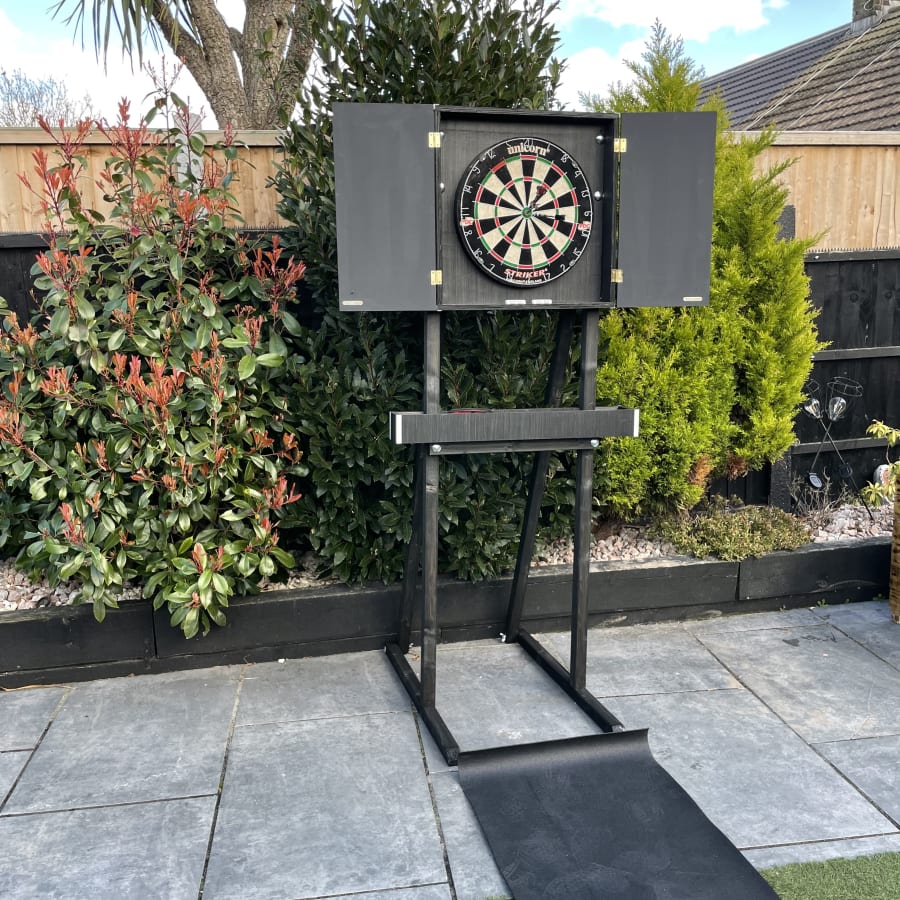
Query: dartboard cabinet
(456, 208)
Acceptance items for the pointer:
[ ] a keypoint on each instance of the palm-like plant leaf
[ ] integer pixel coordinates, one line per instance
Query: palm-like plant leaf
(132, 20)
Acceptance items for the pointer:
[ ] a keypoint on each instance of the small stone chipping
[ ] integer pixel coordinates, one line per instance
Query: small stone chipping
(850, 522)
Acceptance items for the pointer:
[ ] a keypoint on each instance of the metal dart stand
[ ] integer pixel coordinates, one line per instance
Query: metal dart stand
(542, 431)
(452, 208)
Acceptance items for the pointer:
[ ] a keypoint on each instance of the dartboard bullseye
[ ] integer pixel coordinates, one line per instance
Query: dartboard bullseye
(524, 211)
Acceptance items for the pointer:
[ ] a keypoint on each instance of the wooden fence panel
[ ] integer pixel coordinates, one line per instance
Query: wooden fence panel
(20, 211)
(17, 253)
(842, 183)
(858, 296)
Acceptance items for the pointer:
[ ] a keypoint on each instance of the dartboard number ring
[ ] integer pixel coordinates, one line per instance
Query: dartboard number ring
(524, 211)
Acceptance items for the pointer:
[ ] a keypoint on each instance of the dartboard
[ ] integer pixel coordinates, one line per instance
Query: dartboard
(524, 211)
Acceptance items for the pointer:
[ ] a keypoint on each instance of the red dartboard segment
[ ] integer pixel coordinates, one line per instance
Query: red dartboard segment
(524, 211)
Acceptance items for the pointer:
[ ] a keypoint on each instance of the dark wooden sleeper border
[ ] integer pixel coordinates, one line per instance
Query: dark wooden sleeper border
(65, 643)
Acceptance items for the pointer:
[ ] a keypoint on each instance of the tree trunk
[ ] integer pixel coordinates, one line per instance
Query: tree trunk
(894, 592)
(274, 54)
(248, 76)
(210, 59)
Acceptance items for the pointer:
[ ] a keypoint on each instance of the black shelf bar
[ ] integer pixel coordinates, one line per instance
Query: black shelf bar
(563, 425)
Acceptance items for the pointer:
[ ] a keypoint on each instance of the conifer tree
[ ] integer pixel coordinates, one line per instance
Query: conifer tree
(718, 387)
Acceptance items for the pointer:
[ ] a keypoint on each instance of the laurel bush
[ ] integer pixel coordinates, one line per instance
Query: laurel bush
(360, 367)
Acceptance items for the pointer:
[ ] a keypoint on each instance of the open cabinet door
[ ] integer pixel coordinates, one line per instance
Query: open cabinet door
(665, 208)
(386, 206)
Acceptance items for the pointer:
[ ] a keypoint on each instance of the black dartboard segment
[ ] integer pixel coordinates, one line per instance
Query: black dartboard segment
(524, 211)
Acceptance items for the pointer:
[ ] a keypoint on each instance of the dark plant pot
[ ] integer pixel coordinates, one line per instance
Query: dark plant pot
(66, 644)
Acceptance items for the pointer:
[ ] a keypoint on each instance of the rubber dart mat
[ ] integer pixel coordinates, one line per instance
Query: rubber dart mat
(597, 817)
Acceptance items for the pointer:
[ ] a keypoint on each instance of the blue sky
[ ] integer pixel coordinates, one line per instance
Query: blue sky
(596, 36)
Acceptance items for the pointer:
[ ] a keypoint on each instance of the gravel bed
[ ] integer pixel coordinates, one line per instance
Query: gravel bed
(850, 522)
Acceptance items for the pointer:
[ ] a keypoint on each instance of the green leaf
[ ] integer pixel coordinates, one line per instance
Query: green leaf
(291, 325)
(38, 488)
(277, 345)
(59, 323)
(285, 558)
(191, 624)
(54, 548)
(176, 266)
(85, 310)
(271, 360)
(247, 366)
(72, 566)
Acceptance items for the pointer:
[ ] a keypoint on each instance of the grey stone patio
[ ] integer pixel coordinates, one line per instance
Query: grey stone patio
(315, 778)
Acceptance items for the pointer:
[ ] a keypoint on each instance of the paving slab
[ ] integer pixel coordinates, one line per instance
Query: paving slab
(651, 660)
(11, 764)
(138, 852)
(324, 686)
(430, 892)
(769, 857)
(125, 740)
(475, 874)
(870, 624)
(867, 611)
(324, 807)
(782, 618)
(24, 715)
(873, 765)
(759, 782)
(823, 684)
(492, 695)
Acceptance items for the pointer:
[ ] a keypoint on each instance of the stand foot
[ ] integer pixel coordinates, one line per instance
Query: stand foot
(436, 725)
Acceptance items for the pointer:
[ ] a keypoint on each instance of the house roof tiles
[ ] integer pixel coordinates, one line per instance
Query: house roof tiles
(837, 81)
(748, 87)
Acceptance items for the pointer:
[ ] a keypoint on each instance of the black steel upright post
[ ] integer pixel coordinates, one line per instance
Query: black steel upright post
(413, 553)
(556, 379)
(584, 478)
(430, 512)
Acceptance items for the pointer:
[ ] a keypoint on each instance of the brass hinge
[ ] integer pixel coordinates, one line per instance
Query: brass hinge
(434, 140)
(620, 145)
(616, 276)
(437, 277)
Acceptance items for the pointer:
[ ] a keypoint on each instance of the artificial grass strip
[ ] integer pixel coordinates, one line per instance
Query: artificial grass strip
(862, 878)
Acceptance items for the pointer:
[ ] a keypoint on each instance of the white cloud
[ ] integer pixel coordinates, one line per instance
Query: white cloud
(64, 60)
(690, 19)
(593, 70)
